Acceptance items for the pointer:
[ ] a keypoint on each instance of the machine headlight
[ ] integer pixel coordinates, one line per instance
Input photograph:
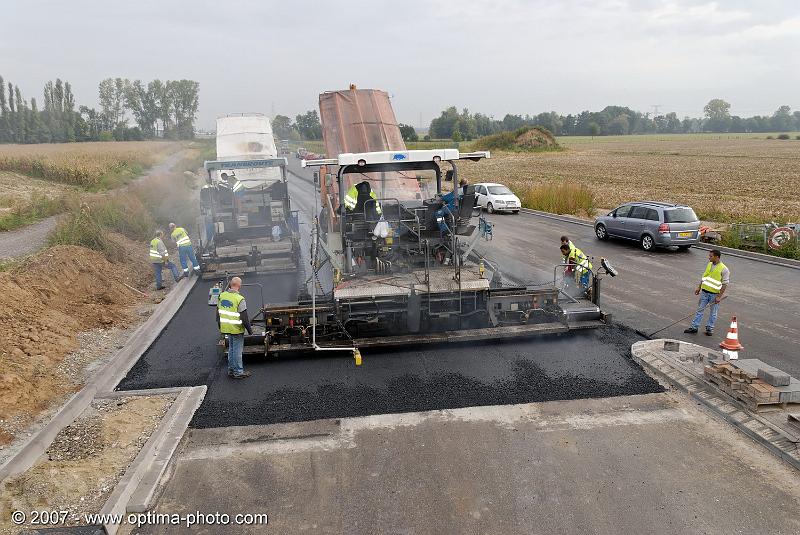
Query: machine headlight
(499, 201)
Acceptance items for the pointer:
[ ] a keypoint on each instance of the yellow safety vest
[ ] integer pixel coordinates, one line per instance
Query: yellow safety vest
(352, 197)
(580, 260)
(181, 237)
(230, 321)
(712, 278)
(155, 256)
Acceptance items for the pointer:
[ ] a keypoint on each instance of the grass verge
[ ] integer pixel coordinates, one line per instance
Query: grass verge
(37, 208)
(560, 198)
(134, 212)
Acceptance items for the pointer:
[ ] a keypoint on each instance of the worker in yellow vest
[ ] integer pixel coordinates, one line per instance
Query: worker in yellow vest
(232, 320)
(159, 257)
(185, 249)
(712, 286)
(364, 191)
(577, 262)
(566, 241)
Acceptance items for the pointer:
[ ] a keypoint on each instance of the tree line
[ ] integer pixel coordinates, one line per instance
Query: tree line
(159, 109)
(305, 126)
(611, 120)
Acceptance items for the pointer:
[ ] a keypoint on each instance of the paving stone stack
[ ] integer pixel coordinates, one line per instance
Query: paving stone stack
(753, 382)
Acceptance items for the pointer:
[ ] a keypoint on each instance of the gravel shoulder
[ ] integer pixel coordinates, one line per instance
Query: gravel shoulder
(85, 461)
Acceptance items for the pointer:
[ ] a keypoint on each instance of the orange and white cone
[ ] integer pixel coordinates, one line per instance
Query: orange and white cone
(731, 346)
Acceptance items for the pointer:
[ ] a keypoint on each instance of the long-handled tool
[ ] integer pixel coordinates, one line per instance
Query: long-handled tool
(724, 297)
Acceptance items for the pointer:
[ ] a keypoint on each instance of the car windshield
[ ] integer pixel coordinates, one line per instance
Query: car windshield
(499, 190)
(680, 215)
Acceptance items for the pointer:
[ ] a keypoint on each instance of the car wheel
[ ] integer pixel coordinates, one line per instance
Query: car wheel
(514, 211)
(601, 232)
(647, 242)
(490, 208)
(684, 247)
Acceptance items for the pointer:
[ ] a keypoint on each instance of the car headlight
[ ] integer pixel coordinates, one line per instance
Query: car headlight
(498, 201)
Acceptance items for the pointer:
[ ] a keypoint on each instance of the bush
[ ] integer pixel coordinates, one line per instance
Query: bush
(770, 137)
(784, 136)
(80, 228)
(124, 213)
(561, 198)
(797, 137)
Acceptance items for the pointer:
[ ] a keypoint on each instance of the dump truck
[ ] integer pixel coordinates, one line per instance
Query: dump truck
(247, 223)
(393, 251)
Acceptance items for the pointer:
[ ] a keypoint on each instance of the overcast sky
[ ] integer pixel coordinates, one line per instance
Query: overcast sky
(493, 56)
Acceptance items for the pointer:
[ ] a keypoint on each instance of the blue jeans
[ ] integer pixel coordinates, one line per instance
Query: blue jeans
(235, 347)
(186, 254)
(705, 299)
(157, 271)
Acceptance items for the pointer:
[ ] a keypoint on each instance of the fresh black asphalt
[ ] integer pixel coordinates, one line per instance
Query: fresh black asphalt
(588, 364)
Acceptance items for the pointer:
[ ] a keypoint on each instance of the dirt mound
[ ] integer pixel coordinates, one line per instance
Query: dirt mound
(44, 303)
(535, 138)
(528, 138)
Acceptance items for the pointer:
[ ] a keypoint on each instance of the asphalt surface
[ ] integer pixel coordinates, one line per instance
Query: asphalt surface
(584, 365)
(654, 289)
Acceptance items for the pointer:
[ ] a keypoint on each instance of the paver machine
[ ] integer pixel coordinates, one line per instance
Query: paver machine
(393, 252)
(247, 224)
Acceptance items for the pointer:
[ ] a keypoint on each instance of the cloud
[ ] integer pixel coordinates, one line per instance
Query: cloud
(674, 14)
(493, 56)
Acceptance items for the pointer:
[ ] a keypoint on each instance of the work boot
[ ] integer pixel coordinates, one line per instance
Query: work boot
(243, 375)
(690, 330)
(709, 332)
(230, 373)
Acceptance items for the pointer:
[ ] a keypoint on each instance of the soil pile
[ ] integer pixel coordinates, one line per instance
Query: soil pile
(535, 138)
(44, 303)
(525, 139)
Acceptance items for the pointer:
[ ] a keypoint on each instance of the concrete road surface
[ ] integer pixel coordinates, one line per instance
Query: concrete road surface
(644, 464)
(653, 289)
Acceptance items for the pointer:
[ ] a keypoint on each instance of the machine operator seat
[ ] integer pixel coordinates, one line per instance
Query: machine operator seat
(465, 208)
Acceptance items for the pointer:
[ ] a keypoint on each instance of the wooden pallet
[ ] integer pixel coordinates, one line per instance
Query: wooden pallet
(754, 393)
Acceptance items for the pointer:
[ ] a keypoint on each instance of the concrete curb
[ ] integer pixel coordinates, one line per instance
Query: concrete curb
(106, 379)
(777, 440)
(134, 493)
(739, 253)
(558, 217)
(751, 255)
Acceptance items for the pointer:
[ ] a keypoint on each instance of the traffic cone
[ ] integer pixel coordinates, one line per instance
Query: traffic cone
(731, 346)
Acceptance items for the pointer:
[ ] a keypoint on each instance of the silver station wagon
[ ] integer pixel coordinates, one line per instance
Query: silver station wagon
(652, 224)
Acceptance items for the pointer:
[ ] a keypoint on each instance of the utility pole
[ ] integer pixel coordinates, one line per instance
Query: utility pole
(655, 109)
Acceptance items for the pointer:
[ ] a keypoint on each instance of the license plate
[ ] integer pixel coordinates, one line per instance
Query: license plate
(685, 234)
